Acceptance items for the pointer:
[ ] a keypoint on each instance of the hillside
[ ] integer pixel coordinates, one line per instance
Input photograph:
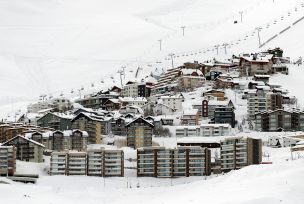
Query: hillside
(54, 46)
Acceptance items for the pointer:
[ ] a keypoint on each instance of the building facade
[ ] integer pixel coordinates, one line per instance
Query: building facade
(167, 163)
(27, 149)
(203, 130)
(94, 162)
(90, 123)
(7, 160)
(238, 152)
(279, 120)
(139, 133)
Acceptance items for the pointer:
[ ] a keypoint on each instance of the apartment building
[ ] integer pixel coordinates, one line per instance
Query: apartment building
(262, 101)
(203, 130)
(238, 152)
(113, 163)
(190, 78)
(224, 115)
(167, 163)
(137, 89)
(206, 107)
(94, 162)
(175, 102)
(58, 104)
(279, 120)
(7, 160)
(190, 117)
(61, 140)
(214, 93)
(76, 163)
(136, 101)
(92, 124)
(57, 121)
(27, 149)
(97, 100)
(58, 163)
(139, 133)
(259, 63)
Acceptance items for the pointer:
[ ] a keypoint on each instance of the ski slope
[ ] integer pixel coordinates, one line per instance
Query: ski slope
(54, 46)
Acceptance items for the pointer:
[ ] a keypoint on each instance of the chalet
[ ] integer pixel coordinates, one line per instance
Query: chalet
(27, 149)
(131, 109)
(137, 101)
(116, 89)
(96, 101)
(118, 126)
(57, 121)
(162, 109)
(92, 124)
(260, 77)
(218, 94)
(256, 64)
(190, 78)
(224, 83)
(139, 133)
(112, 104)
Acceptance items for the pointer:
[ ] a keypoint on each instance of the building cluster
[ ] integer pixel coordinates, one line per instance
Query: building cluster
(188, 101)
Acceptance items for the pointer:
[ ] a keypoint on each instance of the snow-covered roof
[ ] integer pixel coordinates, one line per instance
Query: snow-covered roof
(218, 103)
(190, 71)
(258, 57)
(63, 115)
(190, 112)
(130, 99)
(32, 141)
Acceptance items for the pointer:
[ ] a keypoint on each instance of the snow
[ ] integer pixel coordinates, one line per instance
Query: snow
(60, 46)
(270, 183)
(82, 40)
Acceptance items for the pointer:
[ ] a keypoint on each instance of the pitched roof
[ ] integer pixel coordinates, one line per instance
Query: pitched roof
(138, 119)
(29, 140)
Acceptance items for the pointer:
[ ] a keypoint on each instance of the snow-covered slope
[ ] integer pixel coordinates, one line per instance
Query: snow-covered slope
(53, 46)
(280, 182)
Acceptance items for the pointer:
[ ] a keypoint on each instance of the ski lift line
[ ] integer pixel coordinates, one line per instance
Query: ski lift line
(132, 62)
(189, 52)
(297, 21)
(284, 30)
